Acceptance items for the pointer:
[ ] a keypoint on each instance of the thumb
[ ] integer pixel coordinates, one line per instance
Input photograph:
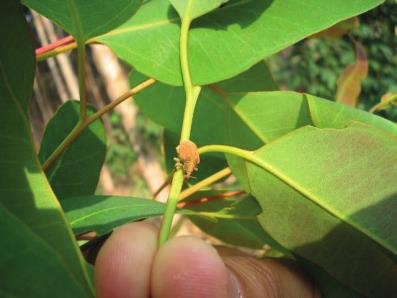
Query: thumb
(272, 278)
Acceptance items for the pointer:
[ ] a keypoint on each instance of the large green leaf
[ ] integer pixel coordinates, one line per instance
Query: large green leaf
(103, 213)
(30, 266)
(25, 191)
(225, 42)
(249, 233)
(77, 170)
(330, 197)
(85, 19)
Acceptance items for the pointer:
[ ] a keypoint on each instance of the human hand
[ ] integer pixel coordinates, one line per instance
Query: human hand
(130, 265)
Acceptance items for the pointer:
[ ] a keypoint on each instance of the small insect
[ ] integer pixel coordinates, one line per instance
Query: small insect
(188, 157)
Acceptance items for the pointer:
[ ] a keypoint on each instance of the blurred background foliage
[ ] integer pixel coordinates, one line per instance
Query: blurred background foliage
(314, 65)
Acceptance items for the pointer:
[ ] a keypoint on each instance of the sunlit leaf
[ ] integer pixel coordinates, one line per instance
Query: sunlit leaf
(25, 192)
(330, 197)
(225, 42)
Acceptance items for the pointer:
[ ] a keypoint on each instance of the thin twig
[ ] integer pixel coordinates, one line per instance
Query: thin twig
(56, 51)
(82, 125)
(204, 183)
(61, 42)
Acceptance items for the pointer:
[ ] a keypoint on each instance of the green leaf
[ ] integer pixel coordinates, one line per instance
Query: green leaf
(86, 19)
(103, 213)
(331, 198)
(193, 9)
(25, 191)
(76, 172)
(213, 109)
(30, 265)
(328, 114)
(239, 232)
(227, 41)
(248, 119)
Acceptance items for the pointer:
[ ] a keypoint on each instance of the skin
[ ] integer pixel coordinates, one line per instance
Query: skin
(130, 265)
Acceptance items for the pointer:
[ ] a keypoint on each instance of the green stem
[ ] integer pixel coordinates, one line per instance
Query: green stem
(173, 198)
(192, 93)
(184, 58)
(82, 80)
(191, 100)
(248, 155)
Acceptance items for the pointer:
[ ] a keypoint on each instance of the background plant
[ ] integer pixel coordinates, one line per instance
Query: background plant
(319, 176)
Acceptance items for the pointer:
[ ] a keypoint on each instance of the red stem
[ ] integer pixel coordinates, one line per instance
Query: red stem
(63, 41)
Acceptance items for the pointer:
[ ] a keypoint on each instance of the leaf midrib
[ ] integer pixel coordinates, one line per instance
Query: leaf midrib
(160, 22)
(77, 220)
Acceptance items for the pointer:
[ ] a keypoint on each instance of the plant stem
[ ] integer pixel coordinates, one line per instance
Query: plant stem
(82, 125)
(56, 51)
(82, 80)
(173, 198)
(192, 93)
(205, 182)
(76, 131)
(123, 97)
(49, 47)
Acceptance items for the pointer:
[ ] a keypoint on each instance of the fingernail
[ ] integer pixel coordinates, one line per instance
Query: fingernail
(234, 287)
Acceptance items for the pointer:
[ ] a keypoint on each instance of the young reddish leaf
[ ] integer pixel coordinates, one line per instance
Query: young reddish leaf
(338, 29)
(349, 82)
